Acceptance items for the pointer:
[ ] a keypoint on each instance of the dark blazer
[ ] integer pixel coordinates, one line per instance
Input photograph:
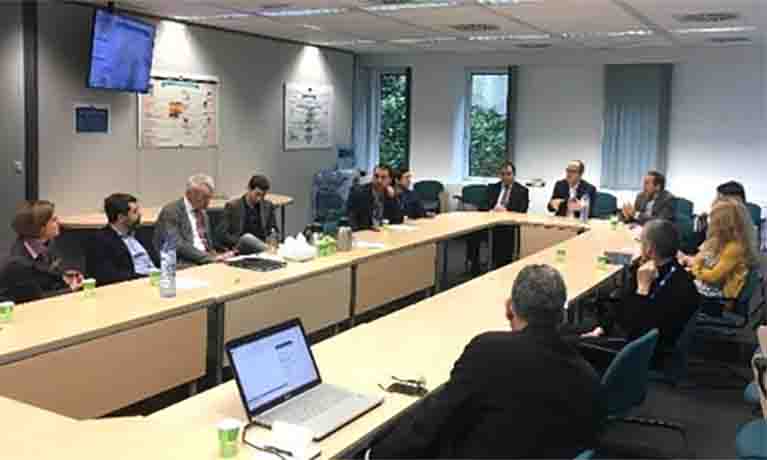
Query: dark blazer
(359, 208)
(519, 199)
(410, 205)
(174, 219)
(232, 224)
(523, 394)
(668, 307)
(662, 209)
(562, 191)
(26, 279)
(108, 260)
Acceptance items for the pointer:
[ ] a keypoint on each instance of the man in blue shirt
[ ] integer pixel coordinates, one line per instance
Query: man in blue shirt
(114, 253)
(409, 203)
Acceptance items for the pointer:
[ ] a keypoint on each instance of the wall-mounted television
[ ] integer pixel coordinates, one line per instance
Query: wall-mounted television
(121, 52)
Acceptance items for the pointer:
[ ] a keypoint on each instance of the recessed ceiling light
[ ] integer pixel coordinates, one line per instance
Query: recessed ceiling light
(386, 7)
(509, 37)
(474, 28)
(424, 40)
(713, 16)
(311, 27)
(347, 43)
(290, 12)
(714, 30)
(616, 34)
(213, 16)
(506, 2)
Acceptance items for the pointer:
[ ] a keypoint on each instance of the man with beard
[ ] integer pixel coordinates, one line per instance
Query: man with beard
(114, 253)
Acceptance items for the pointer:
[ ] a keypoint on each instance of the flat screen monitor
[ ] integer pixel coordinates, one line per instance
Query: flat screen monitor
(121, 53)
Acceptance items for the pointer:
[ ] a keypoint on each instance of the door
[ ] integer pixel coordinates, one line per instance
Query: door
(11, 119)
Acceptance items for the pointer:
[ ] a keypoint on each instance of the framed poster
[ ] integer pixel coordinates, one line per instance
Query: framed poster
(308, 116)
(92, 119)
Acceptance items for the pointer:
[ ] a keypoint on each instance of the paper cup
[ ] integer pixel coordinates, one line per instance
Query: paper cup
(154, 277)
(228, 437)
(6, 312)
(89, 287)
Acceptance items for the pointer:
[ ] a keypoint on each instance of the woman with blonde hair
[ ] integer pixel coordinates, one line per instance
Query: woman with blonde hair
(728, 254)
(33, 269)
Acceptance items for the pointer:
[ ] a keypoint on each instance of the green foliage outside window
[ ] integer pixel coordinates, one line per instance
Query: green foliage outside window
(488, 142)
(393, 137)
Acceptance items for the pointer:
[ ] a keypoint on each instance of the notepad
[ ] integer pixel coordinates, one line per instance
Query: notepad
(403, 228)
(368, 245)
(190, 283)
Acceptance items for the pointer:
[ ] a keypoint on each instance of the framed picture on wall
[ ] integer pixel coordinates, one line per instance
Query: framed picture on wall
(92, 119)
(308, 120)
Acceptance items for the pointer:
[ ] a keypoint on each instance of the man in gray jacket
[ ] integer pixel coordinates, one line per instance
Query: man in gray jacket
(248, 220)
(188, 220)
(653, 203)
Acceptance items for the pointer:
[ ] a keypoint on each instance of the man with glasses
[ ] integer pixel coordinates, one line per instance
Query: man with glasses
(507, 195)
(567, 199)
(370, 204)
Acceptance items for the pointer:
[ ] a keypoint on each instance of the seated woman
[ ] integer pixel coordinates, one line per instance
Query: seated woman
(33, 270)
(726, 257)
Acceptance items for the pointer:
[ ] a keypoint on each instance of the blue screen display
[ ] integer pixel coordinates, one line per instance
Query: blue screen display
(121, 53)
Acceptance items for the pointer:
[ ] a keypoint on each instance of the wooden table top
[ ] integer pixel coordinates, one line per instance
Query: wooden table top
(423, 339)
(97, 219)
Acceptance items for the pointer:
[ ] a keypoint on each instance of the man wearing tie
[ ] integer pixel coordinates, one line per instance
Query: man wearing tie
(504, 196)
(188, 220)
(567, 199)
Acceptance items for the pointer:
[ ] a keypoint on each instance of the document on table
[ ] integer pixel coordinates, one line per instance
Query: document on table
(368, 245)
(190, 283)
(403, 228)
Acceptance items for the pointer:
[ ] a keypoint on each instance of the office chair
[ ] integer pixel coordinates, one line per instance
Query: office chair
(751, 440)
(474, 195)
(756, 215)
(585, 455)
(741, 316)
(428, 192)
(605, 206)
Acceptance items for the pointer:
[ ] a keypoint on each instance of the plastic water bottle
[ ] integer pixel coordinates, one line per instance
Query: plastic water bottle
(273, 241)
(585, 206)
(168, 267)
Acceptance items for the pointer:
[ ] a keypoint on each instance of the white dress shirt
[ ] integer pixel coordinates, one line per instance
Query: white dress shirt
(190, 212)
(500, 202)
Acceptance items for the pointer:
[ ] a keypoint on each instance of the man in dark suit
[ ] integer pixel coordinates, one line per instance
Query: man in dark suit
(567, 199)
(248, 220)
(518, 394)
(503, 196)
(114, 254)
(653, 203)
(370, 204)
(660, 294)
(187, 220)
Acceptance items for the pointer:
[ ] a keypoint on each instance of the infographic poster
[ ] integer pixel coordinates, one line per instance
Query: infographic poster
(179, 113)
(308, 116)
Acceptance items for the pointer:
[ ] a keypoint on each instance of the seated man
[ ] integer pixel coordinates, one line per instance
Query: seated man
(732, 189)
(370, 204)
(410, 205)
(114, 254)
(659, 294)
(518, 394)
(248, 220)
(566, 200)
(503, 196)
(188, 221)
(653, 203)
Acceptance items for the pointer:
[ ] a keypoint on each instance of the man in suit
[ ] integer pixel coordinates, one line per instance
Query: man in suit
(114, 254)
(569, 192)
(370, 204)
(653, 203)
(248, 220)
(523, 393)
(188, 221)
(659, 293)
(506, 195)
(410, 205)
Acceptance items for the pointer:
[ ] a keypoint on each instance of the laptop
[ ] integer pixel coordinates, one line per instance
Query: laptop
(278, 380)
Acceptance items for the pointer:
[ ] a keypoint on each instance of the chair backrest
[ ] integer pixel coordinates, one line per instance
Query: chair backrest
(585, 455)
(428, 190)
(677, 364)
(475, 195)
(683, 208)
(756, 213)
(743, 303)
(624, 383)
(606, 205)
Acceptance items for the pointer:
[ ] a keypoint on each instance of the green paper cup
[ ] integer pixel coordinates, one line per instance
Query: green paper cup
(561, 256)
(154, 277)
(228, 437)
(6, 312)
(602, 263)
(89, 287)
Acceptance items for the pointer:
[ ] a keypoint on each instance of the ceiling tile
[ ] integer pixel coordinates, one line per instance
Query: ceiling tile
(359, 24)
(171, 8)
(664, 12)
(576, 16)
(442, 18)
(252, 5)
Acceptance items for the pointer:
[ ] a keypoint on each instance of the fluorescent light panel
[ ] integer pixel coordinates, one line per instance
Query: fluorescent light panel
(715, 30)
(617, 34)
(213, 16)
(416, 41)
(408, 6)
(510, 37)
(347, 43)
(506, 2)
(292, 12)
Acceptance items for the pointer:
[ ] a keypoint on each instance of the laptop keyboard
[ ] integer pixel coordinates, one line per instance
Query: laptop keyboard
(312, 404)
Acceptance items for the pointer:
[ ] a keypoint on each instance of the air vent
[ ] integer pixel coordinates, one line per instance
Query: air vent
(475, 28)
(707, 18)
(534, 46)
(729, 40)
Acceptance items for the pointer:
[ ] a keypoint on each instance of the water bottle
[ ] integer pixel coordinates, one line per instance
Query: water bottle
(273, 241)
(168, 267)
(585, 206)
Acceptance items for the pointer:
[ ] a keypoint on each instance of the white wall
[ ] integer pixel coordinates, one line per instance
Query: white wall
(717, 119)
(11, 118)
(78, 171)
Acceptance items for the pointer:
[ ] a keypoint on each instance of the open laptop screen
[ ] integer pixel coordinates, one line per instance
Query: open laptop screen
(271, 367)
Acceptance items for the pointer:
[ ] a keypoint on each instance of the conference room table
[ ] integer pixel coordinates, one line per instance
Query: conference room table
(69, 359)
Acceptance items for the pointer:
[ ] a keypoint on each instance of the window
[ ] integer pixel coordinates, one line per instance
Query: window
(394, 115)
(488, 133)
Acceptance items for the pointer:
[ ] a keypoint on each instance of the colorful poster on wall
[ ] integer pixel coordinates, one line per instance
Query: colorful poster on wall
(179, 112)
(308, 116)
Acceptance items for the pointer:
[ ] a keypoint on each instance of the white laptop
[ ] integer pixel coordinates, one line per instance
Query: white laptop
(278, 380)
